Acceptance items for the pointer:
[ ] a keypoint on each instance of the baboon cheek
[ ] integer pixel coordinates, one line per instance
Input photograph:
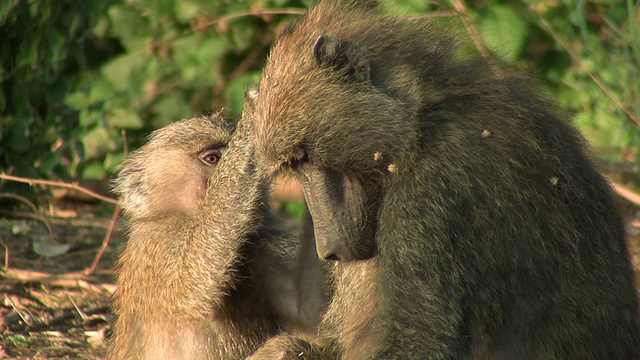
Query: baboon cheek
(337, 204)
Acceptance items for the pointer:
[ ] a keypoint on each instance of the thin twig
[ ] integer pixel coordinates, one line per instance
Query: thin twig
(626, 193)
(6, 255)
(36, 214)
(434, 15)
(72, 186)
(69, 222)
(125, 143)
(105, 241)
(39, 276)
(245, 64)
(471, 27)
(83, 315)
(24, 318)
(75, 279)
(255, 13)
(576, 59)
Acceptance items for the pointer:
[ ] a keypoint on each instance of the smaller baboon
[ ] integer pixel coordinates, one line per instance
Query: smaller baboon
(463, 215)
(207, 272)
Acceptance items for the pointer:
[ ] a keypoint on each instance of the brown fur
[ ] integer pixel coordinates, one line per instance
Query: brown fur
(207, 272)
(487, 231)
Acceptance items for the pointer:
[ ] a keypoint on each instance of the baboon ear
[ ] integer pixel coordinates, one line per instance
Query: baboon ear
(250, 99)
(343, 55)
(251, 93)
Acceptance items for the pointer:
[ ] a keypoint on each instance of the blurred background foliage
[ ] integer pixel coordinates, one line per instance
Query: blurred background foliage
(81, 81)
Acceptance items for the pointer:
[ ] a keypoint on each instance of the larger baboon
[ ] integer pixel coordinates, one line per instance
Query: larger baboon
(463, 213)
(206, 273)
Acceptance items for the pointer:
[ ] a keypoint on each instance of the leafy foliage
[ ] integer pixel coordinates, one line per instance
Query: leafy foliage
(76, 76)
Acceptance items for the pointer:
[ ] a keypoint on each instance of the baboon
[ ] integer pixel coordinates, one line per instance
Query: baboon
(461, 212)
(207, 272)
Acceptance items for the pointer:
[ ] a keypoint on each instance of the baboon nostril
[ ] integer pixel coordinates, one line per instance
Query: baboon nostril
(332, 257)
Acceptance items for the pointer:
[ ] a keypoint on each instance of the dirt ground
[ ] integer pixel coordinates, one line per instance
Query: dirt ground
(50, 308)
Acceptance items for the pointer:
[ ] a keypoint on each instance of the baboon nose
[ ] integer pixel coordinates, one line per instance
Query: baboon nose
(332, 257)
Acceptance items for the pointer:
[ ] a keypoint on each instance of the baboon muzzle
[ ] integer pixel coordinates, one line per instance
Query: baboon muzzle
(337, 205)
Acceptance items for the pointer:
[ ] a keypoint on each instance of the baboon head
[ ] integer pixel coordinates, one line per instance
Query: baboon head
(170, 174)
(321, 115)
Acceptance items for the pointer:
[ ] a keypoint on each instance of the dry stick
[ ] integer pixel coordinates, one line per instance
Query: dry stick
(72, 186)
(80, 312)
(67, 222)
(156, 92)
(255, 13)
(471, 28)
(244, 65)
(201, 27)
(434, 15)
(36, 214)
(105, 241)
(579, 62)
(71, 279)
(75, 186)
(125, 143)
(6, 255)
(15, 308)
(626, 193)
(223, 19)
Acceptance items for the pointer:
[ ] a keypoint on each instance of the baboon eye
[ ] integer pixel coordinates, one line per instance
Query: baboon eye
(210, 157)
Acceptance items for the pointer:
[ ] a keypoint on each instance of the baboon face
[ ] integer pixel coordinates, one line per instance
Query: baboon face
(320, 116)
(170, 174)
(338, 204)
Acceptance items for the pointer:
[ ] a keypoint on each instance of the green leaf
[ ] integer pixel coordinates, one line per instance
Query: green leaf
(101, 26)
(5, 9)
(3, 101)
(28, 54)
(124, 119)
(87, 118)
(93, 171)
(96, 142)
(406, 6)
(295, 209)
(47, 163)
(169, 108)
(119, 70)
(234, 92)
(100, 91)
(76, 23)
(57, 48)
(187, 10)
(77, 100)
(57, 91)
(197, 59)
(112, 160)
(20, 95)
(158, 8)
(504, 32)
(19, 136)
(126, 22)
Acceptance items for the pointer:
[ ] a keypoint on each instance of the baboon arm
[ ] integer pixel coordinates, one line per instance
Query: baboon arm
(232, 215)
(432, 300)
